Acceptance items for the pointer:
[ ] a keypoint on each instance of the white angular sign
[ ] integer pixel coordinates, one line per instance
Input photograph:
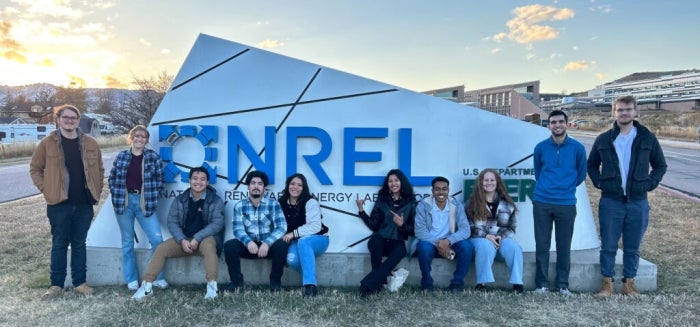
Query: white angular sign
(233, 108)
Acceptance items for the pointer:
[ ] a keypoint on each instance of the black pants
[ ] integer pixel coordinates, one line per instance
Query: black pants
(234, 250)
(378, 246)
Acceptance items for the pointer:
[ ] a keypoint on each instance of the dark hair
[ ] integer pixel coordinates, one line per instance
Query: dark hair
(439, 179)
(558, 113)
(476, 206)
(625, 99)
(199, 169)
(257, 173)
(305, 193)
(406, 187)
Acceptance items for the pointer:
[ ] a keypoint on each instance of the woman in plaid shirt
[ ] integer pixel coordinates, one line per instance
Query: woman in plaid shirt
(135, 180)
(491, 214)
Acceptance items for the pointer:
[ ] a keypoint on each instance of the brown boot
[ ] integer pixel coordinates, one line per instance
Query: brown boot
(84, 289)
(606, 290)
(628, 287)
(52, 293)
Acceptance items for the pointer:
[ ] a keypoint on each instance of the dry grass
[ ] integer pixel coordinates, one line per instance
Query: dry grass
(24, 261)
(26, 149)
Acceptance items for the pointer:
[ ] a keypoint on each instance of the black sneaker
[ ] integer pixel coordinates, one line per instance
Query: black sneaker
(365, 292)
(230, 287)
(310, 290)
(275, 288)
(518, 288)
(455, 288)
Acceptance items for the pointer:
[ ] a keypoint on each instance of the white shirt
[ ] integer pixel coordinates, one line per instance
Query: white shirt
(441, 218)
(623, 148)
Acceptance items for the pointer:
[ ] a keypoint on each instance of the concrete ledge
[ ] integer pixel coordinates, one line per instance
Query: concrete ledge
(346, 270)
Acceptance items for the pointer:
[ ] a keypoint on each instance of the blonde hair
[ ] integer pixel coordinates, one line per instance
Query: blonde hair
(137, 128)
(58, 111)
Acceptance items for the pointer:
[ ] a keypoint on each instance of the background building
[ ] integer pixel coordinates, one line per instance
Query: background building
(671, 90)
(514, 100)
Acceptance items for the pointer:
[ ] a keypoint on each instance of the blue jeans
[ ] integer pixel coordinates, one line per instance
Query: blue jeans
(150, 226)
(510, 251)
(627, 220)
(563, 218)
(426, 251)
(302, 254)
(69, 226)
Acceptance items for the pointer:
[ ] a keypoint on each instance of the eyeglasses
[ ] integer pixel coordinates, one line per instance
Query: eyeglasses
(69, 117)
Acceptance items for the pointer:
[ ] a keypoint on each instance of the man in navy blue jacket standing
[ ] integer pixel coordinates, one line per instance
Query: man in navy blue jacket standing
(560, 167)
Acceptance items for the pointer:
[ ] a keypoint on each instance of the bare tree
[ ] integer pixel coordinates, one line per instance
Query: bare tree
(74, 94)
(45, 96)
(105, 102)
(139, 105)
(13, 103)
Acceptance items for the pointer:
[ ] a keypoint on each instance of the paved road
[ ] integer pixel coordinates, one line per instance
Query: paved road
(17, 184)
(683, 159)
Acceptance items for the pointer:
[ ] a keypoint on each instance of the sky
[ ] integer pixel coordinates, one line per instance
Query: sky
(569, 46)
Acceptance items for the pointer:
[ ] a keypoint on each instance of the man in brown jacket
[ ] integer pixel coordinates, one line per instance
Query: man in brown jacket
(67, 168)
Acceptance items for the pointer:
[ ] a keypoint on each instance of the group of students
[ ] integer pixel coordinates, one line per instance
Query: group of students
(290, 231)
(67, 168)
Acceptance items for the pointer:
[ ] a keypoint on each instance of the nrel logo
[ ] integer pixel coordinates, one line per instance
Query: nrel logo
(239, 144)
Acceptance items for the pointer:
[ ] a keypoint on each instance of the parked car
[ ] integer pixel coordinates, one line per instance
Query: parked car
(578, 123)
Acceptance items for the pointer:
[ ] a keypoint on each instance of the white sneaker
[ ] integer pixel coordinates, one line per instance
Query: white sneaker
(396, 280)
(146, 289)
(541, 290)
(565, 292)
(211, 290)
(161, 283)
(133, 285)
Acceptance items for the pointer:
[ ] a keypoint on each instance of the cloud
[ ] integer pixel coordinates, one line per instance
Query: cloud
(525, 28)
(53, 8)
(114, 82)
(270, 44)
(99, 4)
(76, 81)
(63, 42)
(144, 42)
(606, 9)
(499, 37)
(45, 62)
(10, 48)
(578, 65)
